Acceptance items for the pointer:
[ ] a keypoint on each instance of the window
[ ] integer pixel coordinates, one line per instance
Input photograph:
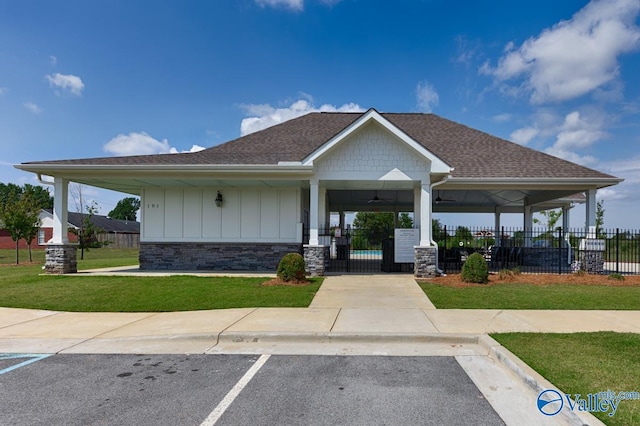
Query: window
(41, 240)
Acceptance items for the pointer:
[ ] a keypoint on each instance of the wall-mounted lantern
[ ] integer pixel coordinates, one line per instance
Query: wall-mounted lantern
(219, 200)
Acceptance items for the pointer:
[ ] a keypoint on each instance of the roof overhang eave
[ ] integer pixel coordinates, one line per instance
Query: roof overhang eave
(596, 183)
(256, 169)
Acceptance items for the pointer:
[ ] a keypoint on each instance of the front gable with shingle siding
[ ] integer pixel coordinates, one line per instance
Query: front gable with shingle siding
(371, 153)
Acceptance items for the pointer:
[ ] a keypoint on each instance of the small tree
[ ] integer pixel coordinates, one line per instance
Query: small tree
(551, 217)
(374, 226)
(599, 218)
(87, 231)
(21, 218)
(475, 269)
(126, 209)
(405, 221)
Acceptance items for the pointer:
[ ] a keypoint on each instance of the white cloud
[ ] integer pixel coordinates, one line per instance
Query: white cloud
(32, 107)
(265, 115)
(71, 83)
(426, 96)
(194, 148)
(142, 144)
(53, 60)
(136, 144)
(578, 132)
(3, 90)
(573, 57)
(523, 136)
(287, 4)
(502, 118)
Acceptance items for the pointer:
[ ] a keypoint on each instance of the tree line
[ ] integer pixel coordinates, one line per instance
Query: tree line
(20, 208)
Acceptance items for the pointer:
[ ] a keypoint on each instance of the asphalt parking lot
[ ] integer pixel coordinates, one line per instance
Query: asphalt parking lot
(238, 389)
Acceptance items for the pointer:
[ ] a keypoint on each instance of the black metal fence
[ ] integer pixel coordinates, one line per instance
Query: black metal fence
(541, 250)
(359, 250)
(536, 250)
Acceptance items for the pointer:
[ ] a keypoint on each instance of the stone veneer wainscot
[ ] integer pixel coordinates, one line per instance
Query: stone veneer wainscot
(214, 256)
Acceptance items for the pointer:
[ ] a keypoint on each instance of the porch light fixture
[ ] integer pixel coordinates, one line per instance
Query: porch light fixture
(219, 200)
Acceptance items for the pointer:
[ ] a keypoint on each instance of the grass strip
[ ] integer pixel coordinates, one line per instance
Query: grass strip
(150, 294)
(584, 363)
(527, 296)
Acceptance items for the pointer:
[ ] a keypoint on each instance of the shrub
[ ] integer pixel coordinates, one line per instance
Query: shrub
(291, 267)
(475, 269)
(505, 275)
(616, 276)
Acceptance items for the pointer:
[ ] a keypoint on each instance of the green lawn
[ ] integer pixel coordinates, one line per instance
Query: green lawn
(527, 296)
(24, 286)
(584, 363)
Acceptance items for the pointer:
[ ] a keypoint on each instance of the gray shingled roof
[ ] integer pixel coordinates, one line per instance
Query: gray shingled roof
(106, 223)
(471, 152)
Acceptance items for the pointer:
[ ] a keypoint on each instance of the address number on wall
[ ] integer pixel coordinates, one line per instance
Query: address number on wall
(153, 205)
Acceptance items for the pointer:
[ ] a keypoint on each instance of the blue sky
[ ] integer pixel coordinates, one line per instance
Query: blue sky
(87, 79)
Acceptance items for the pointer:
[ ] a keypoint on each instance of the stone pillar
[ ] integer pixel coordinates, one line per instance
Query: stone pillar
(591, 261)
(316, 258)
(61, 259)
(426, 262)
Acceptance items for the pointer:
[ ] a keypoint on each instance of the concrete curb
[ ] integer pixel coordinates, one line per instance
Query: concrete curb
(337, 337)
(530, 378)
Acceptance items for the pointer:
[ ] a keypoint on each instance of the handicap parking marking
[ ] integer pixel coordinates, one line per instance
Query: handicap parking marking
(31, 359)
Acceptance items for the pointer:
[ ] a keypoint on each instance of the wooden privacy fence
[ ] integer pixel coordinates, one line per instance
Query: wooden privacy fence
(120, 240)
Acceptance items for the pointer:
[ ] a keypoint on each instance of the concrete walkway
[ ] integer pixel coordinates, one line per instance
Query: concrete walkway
(372, 308)
(350, 315)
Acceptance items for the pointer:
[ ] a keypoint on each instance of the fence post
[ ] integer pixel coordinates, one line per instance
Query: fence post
(444, 258)
(617, 250)
(560, 251)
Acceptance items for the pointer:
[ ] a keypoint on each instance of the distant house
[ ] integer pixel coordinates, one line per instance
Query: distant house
(119, 233)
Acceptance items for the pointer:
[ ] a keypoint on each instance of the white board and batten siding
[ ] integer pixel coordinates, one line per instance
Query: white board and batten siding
(247, 215)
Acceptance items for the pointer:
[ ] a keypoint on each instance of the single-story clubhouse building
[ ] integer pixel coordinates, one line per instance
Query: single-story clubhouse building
(243, 204)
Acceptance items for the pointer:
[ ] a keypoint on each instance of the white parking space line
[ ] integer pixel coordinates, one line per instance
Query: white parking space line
(32, 358)
(234, 392)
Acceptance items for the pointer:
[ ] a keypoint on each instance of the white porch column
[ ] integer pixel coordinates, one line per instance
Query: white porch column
(496, 227)
(425, 215)
(591, 210)
(60, 210)
(565, 219)
(322, 209)
(416, 208)
(313, 213)
(528, 225)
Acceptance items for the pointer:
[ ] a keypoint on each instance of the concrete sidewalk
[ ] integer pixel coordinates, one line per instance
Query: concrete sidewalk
(365, 308)
(350, 315)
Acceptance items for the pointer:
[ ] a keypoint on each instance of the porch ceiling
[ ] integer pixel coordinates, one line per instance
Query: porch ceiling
(450, 201)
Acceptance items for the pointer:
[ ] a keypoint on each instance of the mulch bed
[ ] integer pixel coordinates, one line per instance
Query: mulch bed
(454, 280)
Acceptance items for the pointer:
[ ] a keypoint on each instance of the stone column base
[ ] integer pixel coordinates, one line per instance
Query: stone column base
(426, 262)
(315, 259)
(591, 261)
(61, 259)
